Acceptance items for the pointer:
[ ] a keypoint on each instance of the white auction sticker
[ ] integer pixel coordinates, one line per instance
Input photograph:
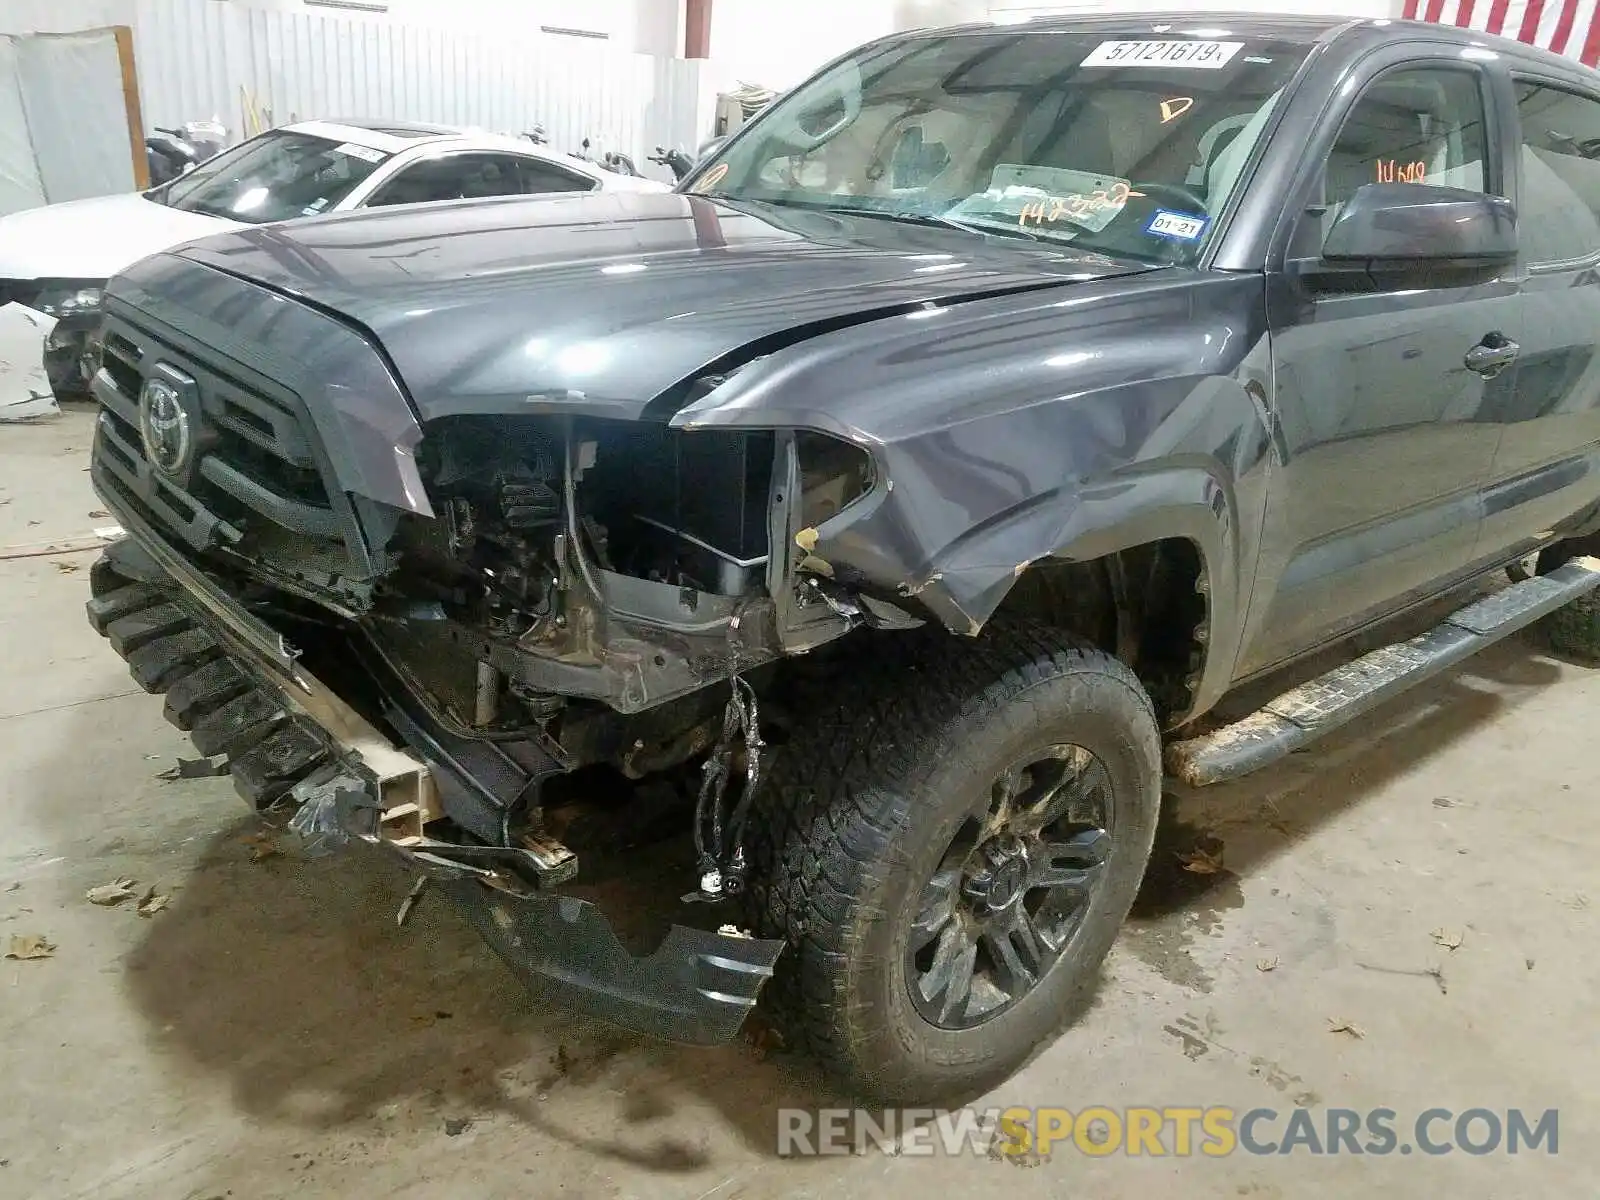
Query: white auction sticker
(367, 153)
(1204, 55)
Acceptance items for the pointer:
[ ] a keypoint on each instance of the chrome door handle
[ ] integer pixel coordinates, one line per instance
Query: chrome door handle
(1492, 355)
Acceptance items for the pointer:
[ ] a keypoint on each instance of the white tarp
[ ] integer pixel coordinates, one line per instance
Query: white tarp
(20, 185)
(77, 116)
(24, 387)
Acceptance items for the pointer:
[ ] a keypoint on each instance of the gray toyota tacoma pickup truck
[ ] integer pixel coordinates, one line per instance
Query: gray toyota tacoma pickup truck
(901, 493)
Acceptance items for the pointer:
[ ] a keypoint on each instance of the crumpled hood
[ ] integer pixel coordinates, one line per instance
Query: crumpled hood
(95, 238)
(603, 302)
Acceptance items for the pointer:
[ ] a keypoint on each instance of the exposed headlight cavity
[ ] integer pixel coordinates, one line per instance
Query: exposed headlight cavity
(68, 299)
(833, 475)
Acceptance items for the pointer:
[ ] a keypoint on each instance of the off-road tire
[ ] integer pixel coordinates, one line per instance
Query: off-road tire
(864, 798)
(1573, 630)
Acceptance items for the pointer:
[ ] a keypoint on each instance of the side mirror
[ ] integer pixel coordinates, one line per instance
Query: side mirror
(1401, 223)
(708, 148)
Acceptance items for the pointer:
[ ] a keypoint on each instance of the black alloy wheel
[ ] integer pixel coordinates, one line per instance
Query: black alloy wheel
(1011, 889)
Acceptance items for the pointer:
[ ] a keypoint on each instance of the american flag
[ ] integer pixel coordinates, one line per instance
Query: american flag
(1569, 27)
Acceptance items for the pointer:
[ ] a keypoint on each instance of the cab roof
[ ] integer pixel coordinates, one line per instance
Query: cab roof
(1302, 29)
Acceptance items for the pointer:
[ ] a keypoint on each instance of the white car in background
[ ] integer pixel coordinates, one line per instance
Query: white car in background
(56, 259)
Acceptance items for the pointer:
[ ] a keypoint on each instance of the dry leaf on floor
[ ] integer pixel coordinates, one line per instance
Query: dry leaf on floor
(763, 1039)
(30, 945)
(153, 902)
(1344, 1027)
(195, 768)
(108, 894)
(66, 566)
(1450, 939)
(98, 514)
(1201, 862)
(262, 845)
(1267, 964)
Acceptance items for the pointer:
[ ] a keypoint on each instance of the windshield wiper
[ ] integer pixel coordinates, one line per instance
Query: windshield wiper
(927, 219)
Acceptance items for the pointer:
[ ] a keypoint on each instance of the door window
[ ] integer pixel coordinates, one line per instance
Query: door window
(453, 177)
(1411, 125)
(1558, 211)
(540, 177)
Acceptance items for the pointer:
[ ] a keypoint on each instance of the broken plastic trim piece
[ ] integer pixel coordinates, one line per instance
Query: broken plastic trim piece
(697, 987)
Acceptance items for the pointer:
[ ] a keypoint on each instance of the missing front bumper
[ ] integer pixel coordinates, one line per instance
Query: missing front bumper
(282, 729)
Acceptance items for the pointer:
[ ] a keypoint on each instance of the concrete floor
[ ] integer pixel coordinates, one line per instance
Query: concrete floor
(272, 1032)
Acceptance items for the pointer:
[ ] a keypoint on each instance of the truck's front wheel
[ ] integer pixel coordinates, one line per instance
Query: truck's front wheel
(949, 845)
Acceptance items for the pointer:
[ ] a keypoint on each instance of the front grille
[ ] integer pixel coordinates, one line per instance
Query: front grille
(254, 486)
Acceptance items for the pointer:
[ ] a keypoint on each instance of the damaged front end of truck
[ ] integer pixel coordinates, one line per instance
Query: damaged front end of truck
(582, 595)
(556, 592)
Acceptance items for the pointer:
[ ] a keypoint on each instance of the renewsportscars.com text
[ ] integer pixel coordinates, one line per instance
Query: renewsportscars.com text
(1214, 1132)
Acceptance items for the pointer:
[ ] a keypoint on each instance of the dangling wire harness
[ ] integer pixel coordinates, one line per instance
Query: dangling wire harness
(718, 831)
(719, 840)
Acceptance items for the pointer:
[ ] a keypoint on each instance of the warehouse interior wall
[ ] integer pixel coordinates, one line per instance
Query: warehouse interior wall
(640, 26)
(252, 66)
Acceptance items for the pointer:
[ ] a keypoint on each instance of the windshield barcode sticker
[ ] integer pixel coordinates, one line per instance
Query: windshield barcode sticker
(1183, 227)
(1204, 55)
(366, 153)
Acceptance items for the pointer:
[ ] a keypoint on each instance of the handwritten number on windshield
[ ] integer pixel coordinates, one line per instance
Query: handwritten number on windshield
(1075, 207)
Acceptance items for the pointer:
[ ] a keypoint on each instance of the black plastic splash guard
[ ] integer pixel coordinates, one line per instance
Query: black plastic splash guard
(697, 987)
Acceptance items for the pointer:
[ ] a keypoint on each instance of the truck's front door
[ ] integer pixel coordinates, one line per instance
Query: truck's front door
(1383, 432)
(1547, 466)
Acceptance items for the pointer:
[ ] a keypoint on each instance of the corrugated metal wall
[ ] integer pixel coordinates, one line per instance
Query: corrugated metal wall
(198, 59)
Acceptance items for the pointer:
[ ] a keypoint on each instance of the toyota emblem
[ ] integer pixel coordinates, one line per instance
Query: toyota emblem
(164, 426)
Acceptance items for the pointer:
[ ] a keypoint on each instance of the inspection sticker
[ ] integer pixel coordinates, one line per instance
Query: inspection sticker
(1205, 55)
(1183, 227)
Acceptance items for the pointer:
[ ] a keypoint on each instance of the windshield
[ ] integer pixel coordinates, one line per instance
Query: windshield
(273, 177)
(1119, 146)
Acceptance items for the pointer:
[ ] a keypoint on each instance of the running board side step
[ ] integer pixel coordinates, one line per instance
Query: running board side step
(1303, 714)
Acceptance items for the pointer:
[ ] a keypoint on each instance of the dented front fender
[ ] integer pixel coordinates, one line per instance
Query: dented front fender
(1020, 428)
